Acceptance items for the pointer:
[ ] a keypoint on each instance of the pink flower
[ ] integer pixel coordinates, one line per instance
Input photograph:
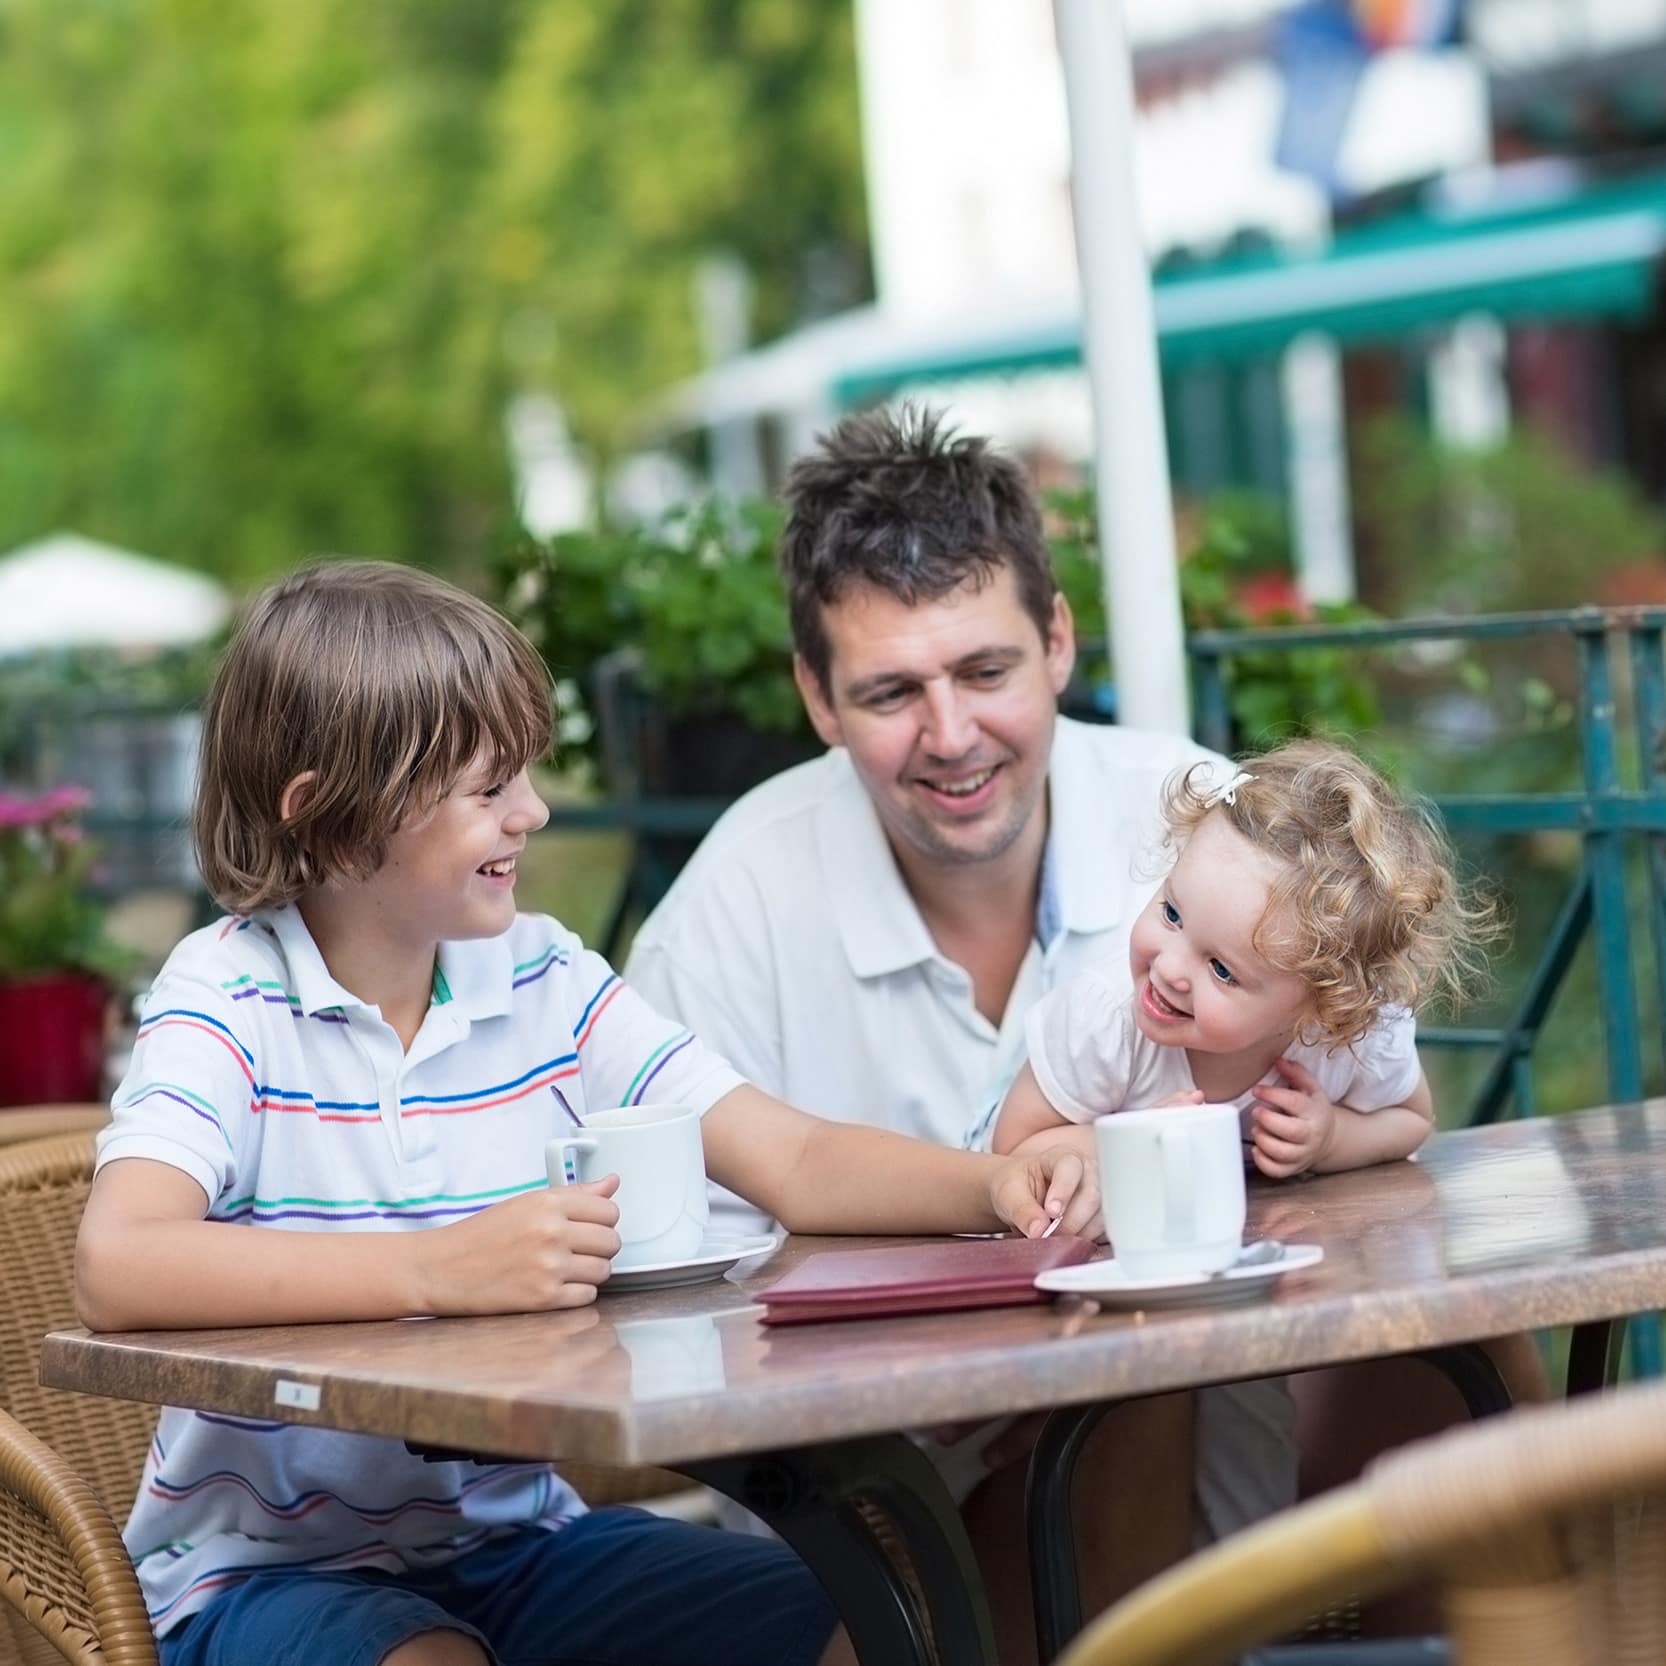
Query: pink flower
(62, 801)
(56, 802)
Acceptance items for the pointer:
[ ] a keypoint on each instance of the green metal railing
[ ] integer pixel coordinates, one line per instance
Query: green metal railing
(1604, 815)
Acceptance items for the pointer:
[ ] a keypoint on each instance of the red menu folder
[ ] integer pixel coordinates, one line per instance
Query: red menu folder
(918, 1278)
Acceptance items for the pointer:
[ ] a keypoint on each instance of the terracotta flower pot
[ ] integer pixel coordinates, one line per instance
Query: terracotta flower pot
(52, 1030)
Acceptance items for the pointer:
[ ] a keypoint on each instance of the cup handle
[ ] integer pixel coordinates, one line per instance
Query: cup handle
(563, 1169)
(1179, 1223)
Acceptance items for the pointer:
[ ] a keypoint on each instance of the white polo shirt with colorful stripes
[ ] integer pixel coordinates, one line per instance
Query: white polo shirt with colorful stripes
(295, 1108)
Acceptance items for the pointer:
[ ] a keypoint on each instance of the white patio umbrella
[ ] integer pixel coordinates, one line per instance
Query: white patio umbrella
(1119, 347)
(67, 591)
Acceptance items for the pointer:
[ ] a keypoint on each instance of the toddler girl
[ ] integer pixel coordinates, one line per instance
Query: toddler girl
(1308, 914)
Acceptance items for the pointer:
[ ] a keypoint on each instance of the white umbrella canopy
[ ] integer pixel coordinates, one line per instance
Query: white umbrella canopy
(70, 592)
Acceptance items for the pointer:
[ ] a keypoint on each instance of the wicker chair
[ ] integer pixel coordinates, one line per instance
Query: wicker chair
(69, 1463)
(1545, 1528)
(63, 1565)
(39, 1122)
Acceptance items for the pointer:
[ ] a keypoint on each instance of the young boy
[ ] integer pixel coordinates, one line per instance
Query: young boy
(363, 1065)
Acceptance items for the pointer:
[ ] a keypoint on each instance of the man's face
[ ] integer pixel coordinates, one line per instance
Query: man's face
(947, 710)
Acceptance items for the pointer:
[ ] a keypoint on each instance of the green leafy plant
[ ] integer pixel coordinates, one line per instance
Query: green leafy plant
(50, 921)
(698, 602)
(1234, 576)
(54, 690)
(696, 598)
(1520, 525)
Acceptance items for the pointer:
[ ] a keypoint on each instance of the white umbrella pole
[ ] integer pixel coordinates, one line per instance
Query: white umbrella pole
(1119, 343)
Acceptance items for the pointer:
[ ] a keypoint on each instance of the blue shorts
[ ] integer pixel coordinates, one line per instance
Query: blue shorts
(617, 1587)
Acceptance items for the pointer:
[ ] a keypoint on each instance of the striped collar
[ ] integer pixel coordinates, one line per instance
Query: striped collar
(878, 920)
(475, 978)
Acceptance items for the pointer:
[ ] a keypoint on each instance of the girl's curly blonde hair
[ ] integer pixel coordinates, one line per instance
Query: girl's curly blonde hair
(1368, 912)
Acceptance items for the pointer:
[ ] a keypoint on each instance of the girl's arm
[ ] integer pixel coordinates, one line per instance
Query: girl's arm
(146, 1259)
(1387, 1135)
(1025, 1112)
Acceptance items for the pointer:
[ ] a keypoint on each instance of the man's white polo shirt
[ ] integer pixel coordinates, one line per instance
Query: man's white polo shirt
(790, 942)
(295, 1108)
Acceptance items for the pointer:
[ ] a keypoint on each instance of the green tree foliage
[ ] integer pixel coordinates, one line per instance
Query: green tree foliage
(1520, 525)
(271, 268)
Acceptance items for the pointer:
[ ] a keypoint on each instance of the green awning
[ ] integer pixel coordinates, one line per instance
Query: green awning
(1590, 255)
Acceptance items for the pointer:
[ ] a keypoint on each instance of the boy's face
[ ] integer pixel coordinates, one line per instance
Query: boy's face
(947, 710)
(451, 875)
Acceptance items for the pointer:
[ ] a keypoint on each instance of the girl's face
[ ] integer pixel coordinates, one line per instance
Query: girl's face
(1198, 981)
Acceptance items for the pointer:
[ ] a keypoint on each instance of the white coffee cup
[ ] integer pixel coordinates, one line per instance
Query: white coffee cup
(655, 1150)
(1172, 1180)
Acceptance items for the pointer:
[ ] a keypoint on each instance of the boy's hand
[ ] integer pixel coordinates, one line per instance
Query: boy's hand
(1293, 1124)
(1031, 1189)
(1081, 1213)
(545, 1249)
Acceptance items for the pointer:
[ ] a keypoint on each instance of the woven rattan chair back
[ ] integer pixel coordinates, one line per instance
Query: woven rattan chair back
(41, 1122)
(43, 1188)
(1545, 1529)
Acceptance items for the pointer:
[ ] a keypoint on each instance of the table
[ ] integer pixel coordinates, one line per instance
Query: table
(1493, 1230)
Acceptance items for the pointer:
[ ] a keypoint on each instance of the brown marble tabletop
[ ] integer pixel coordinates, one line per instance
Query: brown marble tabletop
(1559, 1221)
(1508, 1228)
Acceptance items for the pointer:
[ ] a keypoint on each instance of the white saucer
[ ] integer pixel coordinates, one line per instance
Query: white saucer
(718, 1253)
(1106, 1283)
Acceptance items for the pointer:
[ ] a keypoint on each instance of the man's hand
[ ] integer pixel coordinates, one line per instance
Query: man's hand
(544, 1249)
(1031, 1189)
(1293, 1125)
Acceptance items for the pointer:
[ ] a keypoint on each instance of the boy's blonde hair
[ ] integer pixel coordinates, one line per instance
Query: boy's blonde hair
(1368, 912)
(384, 682)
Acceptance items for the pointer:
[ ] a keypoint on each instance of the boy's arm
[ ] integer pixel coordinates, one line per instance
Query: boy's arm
(819, 1176)
(146, 1259)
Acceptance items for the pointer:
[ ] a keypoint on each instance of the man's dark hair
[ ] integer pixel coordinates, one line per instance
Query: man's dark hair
(897, 500)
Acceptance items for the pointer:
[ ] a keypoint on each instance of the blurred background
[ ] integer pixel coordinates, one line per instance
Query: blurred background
(545, 297)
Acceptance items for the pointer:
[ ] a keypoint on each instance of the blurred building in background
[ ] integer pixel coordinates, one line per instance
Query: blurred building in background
(1352, 207)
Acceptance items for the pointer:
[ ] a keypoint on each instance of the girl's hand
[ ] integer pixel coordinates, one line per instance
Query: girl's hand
(544, 1249)
(1058, 1182)
(1293, 1125)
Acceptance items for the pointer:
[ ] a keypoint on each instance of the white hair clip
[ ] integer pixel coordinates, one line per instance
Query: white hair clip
(1227, 793)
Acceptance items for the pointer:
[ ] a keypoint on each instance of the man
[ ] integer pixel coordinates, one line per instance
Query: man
(864, 934)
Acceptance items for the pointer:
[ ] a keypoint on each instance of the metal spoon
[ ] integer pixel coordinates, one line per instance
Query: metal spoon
(1253, 1255)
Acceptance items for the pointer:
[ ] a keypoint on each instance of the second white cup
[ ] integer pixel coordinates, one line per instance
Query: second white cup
(1173, 1186)
(655, 1150)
